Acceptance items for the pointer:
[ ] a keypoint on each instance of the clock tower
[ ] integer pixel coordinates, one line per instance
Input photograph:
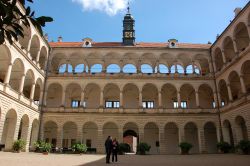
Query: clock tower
(128, 29)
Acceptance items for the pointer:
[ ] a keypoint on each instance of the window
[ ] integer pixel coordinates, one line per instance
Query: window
(214, 106)
(112, 104)
(75, 103)
(148, 104)
(36, 102)
(222, 103)
(183, 104)
(175, 104)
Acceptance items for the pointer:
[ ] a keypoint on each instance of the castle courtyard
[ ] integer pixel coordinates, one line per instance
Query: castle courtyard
(37, 159)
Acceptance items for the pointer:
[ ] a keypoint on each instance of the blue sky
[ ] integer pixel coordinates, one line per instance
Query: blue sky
(192, 21)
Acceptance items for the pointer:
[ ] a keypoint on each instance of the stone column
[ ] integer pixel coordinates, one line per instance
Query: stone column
(201, 137)
(140, 99)
(162, 141)
(223, 56)
(101, 100)
(32, 92)
(229, 92)
(59, 136)
(243, 86)
(2, 123)
(120, 135)
(219, 99)
(179, 99)
(8, 73)
(215, 69)
(181, 134)
(38, 57)
(175, 65)
(235, 47)
(21, 84)
(197, 99)
(141, 134)
(210, 66)
(160, 99)
(193, 67)
(79, 133)
(82, 98)
(121, 99)
(100, 141)
(215, 100)
(63, 98)
(28, 138)
(45, 98)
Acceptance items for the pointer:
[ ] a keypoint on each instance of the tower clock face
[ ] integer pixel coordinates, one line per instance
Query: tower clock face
(128, 34)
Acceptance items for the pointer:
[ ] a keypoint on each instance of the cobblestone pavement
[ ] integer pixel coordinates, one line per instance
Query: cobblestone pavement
(35, 159)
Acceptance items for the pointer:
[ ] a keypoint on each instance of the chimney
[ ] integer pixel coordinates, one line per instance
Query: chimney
(237, 11)
(60, 39)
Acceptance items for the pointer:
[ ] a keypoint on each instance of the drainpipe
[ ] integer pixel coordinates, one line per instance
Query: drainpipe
(43, 98)
(217, 97)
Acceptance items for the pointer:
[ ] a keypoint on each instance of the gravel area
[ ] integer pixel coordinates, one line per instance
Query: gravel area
(35, 159)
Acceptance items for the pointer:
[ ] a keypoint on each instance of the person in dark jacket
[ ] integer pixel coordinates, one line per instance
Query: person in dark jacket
(114, 150)
(108, 148)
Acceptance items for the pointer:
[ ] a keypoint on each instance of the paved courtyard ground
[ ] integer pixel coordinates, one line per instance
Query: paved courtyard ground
(35, 159)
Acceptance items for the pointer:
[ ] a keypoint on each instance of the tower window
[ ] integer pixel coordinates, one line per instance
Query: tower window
(75, 103)
(112, 104)
(148, 104)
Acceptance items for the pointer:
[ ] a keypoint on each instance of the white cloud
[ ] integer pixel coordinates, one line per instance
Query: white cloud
(111, 7)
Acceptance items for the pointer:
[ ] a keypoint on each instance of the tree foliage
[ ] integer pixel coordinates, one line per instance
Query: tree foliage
(12, 18)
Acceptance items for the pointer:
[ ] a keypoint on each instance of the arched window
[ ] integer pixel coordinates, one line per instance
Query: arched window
(145, 68)
(129, 68)
(163, 68)
(180, 69)
(189, 69)
(113, 68)
(172, 69)
(79, 68)
(65, 68)
(97, 68)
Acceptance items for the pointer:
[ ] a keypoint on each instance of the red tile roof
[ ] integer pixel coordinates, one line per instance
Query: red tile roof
(118, 44)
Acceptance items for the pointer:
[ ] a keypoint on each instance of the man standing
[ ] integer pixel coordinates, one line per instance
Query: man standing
(108, 148)
(115, 150)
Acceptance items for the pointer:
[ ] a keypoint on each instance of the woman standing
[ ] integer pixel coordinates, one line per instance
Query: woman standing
(114, 150)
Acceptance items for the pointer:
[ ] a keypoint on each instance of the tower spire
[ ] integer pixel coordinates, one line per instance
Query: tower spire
(128, 7)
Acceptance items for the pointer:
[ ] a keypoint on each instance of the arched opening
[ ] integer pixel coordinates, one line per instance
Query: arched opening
(24, 41)
(5, 59)
(113, 68)
(210, 137)
(218, 59)
(223, 93)
(130, 96)
(187, 93)
(129, 68)
(43, 58)
(56, 63)
(34, 47)
(73, 96)
(147, 69)
(110, 129)
(149, 96)
(191, 136)
(169, 96)
(28, 83)
(202, 61)
(17, 73)
(34, 133)
(151, 137)
(9, 129)
(111, 96)
(245, 70)
(80, 68)
(130, 136)
(180, 69)
(163, 69)
(96, 68)
(235, 85)
(241, 128)
(23, 128)
(90, 134)
(69, 134)
(228, 133)
(92, 96)
(193, 69)
(172, 138)
(206, 96)
(242, 37)
(228, 49)
(38, 89)
(50, 133)
(54, 95)
(65, 68)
